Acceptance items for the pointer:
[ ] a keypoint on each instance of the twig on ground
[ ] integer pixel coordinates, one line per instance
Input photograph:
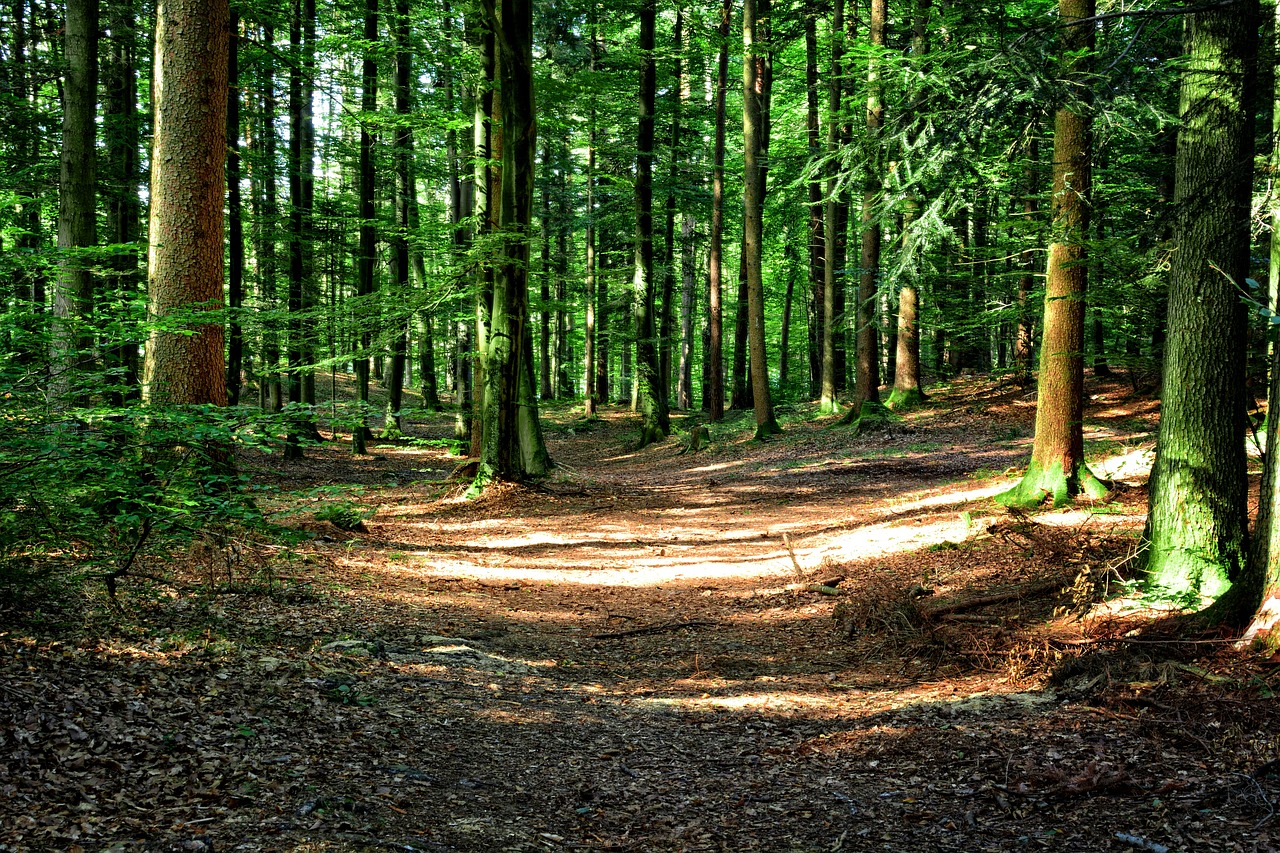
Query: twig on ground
(651, 629)
(1142, 842)
(795, 564)
(1027, 591)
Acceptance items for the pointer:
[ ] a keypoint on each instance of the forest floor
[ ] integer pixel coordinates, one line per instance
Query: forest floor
(818, 643)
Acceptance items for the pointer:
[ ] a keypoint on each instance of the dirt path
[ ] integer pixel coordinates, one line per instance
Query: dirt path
(622, 660)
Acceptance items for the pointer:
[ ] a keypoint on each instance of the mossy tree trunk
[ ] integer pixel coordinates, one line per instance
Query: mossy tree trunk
(513, 446)
(186, 365)
(1195, 539)
(1057, 471)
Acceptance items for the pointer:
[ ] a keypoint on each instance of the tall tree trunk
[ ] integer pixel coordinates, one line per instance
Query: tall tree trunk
(121, 130)
(393, 423)
(513, 447)
(715, 309)
(755, 129)
(589, 356)
(185, 362)
(652, 399)
(1057, 470)
(489, 153)
(77, 218)
(1195, 538)
(366, 280)
(741, 396)
(545, 390)
(235, 220)
(688, 296)
(816, 304)
(667, 319)
(832, 282)
(310, 281)
(272, 389)
(868, 372)
(1023, 348)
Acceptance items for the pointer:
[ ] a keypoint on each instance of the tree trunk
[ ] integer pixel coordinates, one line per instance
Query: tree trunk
(755, 129)
(393, 423)
(1023, 348)
(831, 281)
(1195, 539)
(1057, 470)
(77, 218)
(184, 362)
(816, 305)
(652, 399)
(589, 355)
(513, 447)
(235, 220)
(688, 296)
(868, 372)
(544, 283)
(271, 393)
(366, 280)
(121, 131)
(667, 319)
(715, 310)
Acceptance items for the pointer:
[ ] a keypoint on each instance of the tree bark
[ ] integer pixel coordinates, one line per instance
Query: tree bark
(831, 281)
(1195, 538)
(366, 280)
(513, 446)
(755, 129)
(77, 218)
(656, 423)
(715, 309)
(235, 219)
(1057, 470)
(868, 370)
(185, 365)
(816, 304)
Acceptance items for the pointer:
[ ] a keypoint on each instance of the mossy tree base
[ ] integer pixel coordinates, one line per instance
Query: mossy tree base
(869, 417)
(901, 399)
(650, 434)
(769, 428)
(1054, 484)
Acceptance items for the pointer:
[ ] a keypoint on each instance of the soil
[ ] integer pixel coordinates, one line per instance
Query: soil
(818, 643)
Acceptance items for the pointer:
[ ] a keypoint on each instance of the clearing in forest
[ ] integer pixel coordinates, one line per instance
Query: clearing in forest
(818, 643)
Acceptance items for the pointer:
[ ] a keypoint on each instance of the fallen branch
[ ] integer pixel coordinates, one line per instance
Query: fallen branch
(1026, 591)
(651, 629)
(795, 564)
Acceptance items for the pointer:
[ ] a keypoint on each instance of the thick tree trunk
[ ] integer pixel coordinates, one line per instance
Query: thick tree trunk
(1195, 539)
(651, 396)
(513, 446)
(185, 365)
(77, 218)
(755, 129)
(1057, 470)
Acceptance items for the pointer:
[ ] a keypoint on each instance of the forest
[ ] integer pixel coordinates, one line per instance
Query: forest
(778, 424)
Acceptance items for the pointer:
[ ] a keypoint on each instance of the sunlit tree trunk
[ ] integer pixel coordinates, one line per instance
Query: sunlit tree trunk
(1195, 538)
(185, 365)
(1057, 470)
(77, 218)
